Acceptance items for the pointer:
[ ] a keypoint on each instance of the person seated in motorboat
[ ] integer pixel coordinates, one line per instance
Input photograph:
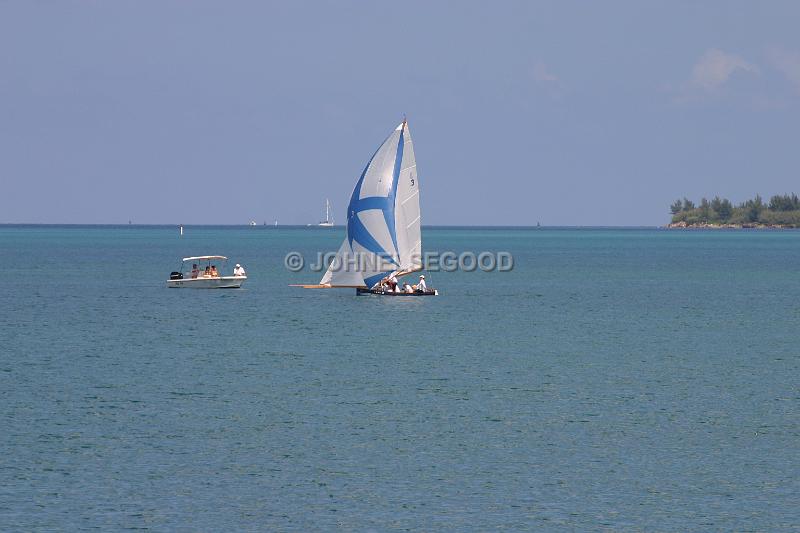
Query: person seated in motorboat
(207, 272)
(408, 289)
(421, 286)
(238, 271)
(195, 271)
(214, 273)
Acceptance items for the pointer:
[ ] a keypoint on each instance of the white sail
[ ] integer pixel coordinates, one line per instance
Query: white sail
(407, 214)
(328, 222)
(383, 218)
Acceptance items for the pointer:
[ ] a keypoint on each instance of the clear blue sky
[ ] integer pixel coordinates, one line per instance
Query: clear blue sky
(568, 113)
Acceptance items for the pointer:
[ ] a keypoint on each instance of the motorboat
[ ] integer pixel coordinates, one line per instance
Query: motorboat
(200, 272)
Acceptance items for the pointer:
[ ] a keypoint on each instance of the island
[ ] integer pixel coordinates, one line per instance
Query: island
(782, 211)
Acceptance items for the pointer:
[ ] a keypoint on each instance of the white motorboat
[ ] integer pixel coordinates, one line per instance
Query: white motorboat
(201, 272)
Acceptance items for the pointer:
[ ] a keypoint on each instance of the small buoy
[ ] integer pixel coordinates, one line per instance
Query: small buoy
(181, 230)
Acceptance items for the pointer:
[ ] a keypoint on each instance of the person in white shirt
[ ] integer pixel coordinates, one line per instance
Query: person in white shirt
(407, 288)
(393, 283)
(421, 286)
(238, 270)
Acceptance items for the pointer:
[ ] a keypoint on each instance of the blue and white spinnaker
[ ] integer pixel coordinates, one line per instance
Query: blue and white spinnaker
(383, 219)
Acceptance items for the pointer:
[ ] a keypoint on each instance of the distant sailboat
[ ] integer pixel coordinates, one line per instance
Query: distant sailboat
(328, 222)
(384, 236)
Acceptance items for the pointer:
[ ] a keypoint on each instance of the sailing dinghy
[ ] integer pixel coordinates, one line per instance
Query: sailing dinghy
(383, 238)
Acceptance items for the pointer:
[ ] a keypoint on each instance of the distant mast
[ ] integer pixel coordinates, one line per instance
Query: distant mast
(328, 222)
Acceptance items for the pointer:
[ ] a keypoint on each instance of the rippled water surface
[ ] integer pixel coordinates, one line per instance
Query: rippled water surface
(616, 379)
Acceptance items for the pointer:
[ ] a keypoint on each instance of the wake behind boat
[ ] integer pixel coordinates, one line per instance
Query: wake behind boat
(203, 274)
(384, 238)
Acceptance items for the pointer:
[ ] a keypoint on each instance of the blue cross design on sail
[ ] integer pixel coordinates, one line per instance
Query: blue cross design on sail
(356, 230)
(383, 218)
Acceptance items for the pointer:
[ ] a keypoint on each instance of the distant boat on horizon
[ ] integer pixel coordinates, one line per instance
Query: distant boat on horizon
(328, 222)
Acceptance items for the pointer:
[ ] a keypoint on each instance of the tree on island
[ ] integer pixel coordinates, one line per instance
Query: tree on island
(784, 203)
(782, 210)
(705, 209)
(753, 208)
(681, 205)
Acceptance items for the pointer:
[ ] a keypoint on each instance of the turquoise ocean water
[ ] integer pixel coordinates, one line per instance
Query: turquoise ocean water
(620, 379)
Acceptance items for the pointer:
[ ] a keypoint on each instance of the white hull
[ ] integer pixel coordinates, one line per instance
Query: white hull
(224, 282)
(325, 224)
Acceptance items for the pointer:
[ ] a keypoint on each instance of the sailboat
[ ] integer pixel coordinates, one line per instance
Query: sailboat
(328, 222)
(383, 238)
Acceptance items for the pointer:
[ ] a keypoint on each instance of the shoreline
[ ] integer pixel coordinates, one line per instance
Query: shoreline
(706, 225)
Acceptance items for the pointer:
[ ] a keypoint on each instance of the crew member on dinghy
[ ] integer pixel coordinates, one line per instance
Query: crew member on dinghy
(421, 286)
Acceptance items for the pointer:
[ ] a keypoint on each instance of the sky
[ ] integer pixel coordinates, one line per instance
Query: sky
(563, 113)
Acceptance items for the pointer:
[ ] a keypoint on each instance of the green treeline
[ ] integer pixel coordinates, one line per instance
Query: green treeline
(782, 210)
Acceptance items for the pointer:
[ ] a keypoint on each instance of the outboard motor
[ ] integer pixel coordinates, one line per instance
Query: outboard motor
(176, 275)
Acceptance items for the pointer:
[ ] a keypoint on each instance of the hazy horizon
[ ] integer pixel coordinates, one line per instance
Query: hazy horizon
(565, 114)
(320, 228)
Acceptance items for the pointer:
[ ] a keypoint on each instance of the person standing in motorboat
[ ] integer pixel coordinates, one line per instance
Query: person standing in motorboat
(195, 271)
(238, 270)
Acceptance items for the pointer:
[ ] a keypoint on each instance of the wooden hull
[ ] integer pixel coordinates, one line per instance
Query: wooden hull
(378, 292)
